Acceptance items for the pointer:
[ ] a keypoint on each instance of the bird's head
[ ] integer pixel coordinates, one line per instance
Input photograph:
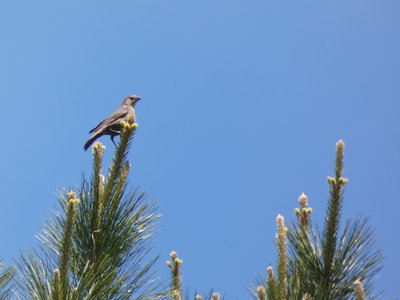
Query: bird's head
(131, 100)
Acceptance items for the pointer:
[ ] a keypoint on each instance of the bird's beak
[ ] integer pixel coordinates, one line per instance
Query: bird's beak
(138, 98)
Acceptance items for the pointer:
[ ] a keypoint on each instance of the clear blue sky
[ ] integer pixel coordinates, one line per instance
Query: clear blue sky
(243, 102)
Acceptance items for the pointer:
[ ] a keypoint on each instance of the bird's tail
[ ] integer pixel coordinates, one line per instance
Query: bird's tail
(90, 141)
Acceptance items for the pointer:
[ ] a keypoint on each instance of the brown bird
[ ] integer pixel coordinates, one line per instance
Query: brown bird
(111, 126)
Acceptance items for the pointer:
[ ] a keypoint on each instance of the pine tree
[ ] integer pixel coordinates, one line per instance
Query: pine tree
(337, 263)
(96, 245)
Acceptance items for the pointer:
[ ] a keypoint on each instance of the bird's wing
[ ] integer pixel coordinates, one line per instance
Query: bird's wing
(115, 116)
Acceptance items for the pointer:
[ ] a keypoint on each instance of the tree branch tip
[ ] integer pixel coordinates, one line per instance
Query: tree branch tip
(98, 147)
(303, 200)
(173, 255)
(340, 144)
(262, 293)
(270, 272)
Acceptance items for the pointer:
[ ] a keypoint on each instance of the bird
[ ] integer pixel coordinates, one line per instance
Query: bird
(112, 125)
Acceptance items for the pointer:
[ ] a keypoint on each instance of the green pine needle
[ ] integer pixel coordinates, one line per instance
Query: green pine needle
(97, 249)
(6, 284)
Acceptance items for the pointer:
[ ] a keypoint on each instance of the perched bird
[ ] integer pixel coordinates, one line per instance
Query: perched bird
(111, 126)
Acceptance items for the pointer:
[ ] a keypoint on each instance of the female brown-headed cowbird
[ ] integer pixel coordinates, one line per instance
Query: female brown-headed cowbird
(111, 126)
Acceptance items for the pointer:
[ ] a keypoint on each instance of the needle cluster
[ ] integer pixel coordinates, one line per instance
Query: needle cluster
(96, 246)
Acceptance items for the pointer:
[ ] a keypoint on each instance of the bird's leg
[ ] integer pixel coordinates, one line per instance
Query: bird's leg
(112, 139)
(113, 133)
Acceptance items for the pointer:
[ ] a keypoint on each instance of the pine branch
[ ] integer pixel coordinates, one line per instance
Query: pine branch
(35, 276)
(175, 265)
(102, 254)
(261, 293)
(325, 266)
(303, 213)
(128, 130)
(125, 224)
(97, 187)
(66, 246)
(332, 221)
(358, 287)
(272, 289)
(119, 190)
(282, 257)
(6, 284)
(57, 285)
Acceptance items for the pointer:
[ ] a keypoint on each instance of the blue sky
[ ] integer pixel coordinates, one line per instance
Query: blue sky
(243, 102)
